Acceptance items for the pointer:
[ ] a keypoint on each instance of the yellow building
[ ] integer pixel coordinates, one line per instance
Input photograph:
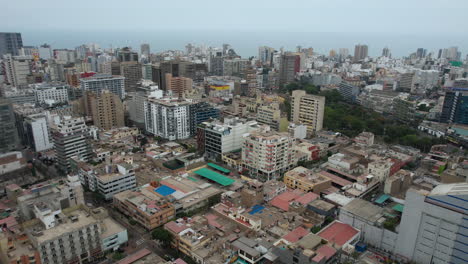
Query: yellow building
(305, 180)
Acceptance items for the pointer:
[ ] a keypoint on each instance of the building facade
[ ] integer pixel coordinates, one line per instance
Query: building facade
(308, 110)
(101, 82)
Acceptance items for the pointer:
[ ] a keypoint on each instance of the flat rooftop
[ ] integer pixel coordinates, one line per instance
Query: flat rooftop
(214, 176)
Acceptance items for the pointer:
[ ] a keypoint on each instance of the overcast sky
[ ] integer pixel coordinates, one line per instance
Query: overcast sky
(383, 16)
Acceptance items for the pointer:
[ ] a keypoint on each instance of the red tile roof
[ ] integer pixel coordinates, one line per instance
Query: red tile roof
(338, 233)
(296, 234)
(282, 201)
(135, 256)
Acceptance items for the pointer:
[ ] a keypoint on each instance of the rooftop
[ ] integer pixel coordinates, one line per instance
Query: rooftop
(364, 209)
(214, 176)
(338, 233)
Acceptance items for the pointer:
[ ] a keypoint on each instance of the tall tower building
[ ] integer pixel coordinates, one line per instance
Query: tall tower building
(126, 54)
(360, 52)
(9, 139)
(455, 108)
(17, 69)
(70, 140)
(289, 66)
(106, 109)
(308, 110)
(10, 43)
(167, 118)
(45, 52)
(133, 74)
(178, 85)
(386, 52)
(145, 50)
(421, 53)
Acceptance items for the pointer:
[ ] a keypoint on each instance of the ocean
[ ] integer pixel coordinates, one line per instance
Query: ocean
(246, 43)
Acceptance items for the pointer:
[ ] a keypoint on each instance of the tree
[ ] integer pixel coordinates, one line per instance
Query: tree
(117, 256)
(163, 236)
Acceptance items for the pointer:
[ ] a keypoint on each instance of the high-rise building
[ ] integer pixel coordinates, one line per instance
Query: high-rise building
(101, 82)
(216, 138)
(133, 74)
(37, 132)
(53, 93)
(145, 50)
(235, 66)
(216, 64)
(250, 76)
(266, 155)
(126, 54)
(406, 81)
(421, 53)
(201, 112)
(168, 118)
(265, 55)
(178, 85)
(452, 53)
(17, 69)
(360, 52)
(70, 140)
(10, 43)
(308, 110)
(270, 114)
(136, 106)
(348, 91)
(45, 52)
(106, 109)
(290, 65)
(386, 52)
(433, 225)
(455, 108)
(9, 139)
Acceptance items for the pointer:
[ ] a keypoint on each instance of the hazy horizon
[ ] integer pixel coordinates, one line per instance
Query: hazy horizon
(401, 25)
(244, 42)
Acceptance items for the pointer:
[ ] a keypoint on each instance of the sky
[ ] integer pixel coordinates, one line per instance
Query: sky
(428, 19)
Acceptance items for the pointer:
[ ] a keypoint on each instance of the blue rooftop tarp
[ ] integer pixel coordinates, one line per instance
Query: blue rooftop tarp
(256, 208)
(164, 190)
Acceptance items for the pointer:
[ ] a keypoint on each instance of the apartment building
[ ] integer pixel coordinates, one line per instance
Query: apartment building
(219, 138)
(79, 235)
(308, 110)
(145, 206)
(168, 118)
(270, 114)
(51, 93)
(17, 69)
(70, 139)
(178, 85)
(106, 109)
(268, 154)
(99, 82)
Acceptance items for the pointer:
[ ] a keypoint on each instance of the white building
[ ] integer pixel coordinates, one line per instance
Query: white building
(11, 161)
(38, 133)
(45, 52)
(47, 93)
(433, 227)
(70, 140)
(109, 180)
(100, 82)
(167, 118)
(225, 137)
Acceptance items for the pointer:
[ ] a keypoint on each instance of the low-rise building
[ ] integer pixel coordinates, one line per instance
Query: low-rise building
(145, 206)
(108, 180)
(306, 180)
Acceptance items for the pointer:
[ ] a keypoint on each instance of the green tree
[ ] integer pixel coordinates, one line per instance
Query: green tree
(163, 236)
